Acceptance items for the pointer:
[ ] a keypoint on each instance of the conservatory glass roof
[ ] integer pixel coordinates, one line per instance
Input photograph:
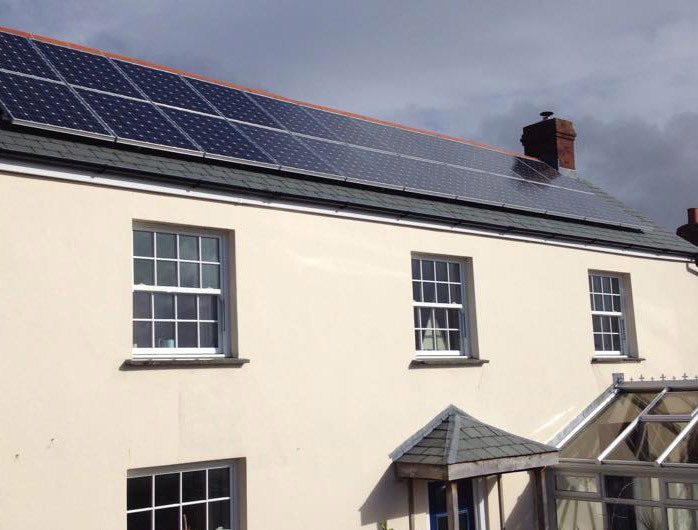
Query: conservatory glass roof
(641, 426)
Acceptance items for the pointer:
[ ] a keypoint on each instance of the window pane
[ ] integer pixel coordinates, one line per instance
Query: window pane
(416, 317)
(416, 292)
(416, 341)
(416, 270)
(596, 281)
(454, 319)
(166, 489)
(208, 307)
(616, 304)
(676, 403)
(598, 302)
(606, 284)
(686, 452)
(428, 270)
(189, 274)
(208, 333)
(209, 249)
(186, 307)
(186, 335)
(139, 493)
(440, 318)
(142, 335)
(598, 342)
(219, 482)
(428, 339)
(607, 304)
(164, 335)
(210, 276)
(572, 483)
(456, 294)
(194, 517)
(629, 517)
(164, 305)
(616, 342)
(453, 272)
(596, 436)
(680, 490)
(596, 322)
(442, 293)
(615, 285)
(139, 521)
(441, 337)
(441, 271)
(429, 291)
(454, 340)
(166, 246)
(143, 272)
(640, 488)
(167, 273)
(167, 519)
(577, 515)
(141, 305)
(189, 247)
(426, 317)
(647, 441)
(219, 515)
(142, 243)
(682, 519)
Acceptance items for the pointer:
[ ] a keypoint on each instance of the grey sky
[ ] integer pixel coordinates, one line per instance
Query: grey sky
(625, 71)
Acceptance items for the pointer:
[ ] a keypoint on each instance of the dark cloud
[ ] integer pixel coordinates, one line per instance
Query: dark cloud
(624, 71)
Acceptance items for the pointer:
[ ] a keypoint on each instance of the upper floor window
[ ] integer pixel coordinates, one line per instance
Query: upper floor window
(607, 313)
(438, 291)
(178, 293)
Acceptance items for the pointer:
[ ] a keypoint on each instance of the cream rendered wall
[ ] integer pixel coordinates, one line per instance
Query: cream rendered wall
(325, 317)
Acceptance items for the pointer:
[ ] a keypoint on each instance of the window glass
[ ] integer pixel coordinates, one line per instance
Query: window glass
(647, 441)
(576, 483)
(682, 519)
(605, 428)
(633, 517)
(605, 294)
(440, 314)
(676, 403)
(640, 488)
(682, 490)
(438, 515)
(578, 515)
(686, 452)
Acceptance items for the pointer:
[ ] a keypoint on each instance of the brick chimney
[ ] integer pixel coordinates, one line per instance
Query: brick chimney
(689, 231)
(551, 140)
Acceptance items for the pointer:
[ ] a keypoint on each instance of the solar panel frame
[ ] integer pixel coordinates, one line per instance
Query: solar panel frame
(219, 138)
(165, 88)
(142, 112)
(101, 75)
(18, 54)
(19, 99)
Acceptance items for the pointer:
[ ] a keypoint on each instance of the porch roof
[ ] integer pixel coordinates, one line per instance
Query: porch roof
(454, 445)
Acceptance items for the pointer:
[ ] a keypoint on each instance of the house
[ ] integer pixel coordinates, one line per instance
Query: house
(225, 309)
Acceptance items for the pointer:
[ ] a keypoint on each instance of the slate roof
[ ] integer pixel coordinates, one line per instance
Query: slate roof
(242, 180)
(454, 437)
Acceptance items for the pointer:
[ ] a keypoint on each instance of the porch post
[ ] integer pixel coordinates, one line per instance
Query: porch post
(500, 501)
(410, 502)
(452, 505)
(537, 483)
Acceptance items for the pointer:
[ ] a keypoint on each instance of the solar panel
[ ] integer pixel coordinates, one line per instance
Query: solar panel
(164, 87)
(286, 149)
(88, 70)
(293, 117)
(233, 104)
(46, 104)
(18, 55)
(136, 120)
(348, 129)
(217, 136)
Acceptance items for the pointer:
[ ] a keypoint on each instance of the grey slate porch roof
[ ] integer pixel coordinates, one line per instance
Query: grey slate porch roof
(455, 445)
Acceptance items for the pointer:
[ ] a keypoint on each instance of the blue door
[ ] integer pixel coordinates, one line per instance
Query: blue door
(438, 516)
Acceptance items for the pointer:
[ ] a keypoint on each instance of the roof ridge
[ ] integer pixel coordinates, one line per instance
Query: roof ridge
(370, 119)
(454, 438)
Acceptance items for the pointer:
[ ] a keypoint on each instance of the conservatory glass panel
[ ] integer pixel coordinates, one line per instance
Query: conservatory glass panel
(647, 441)
(574, 514)
(686, 452)
(640, 488)
(576, 483)
(596, 436)
(682, 519)
(633, 517)
(676, 403)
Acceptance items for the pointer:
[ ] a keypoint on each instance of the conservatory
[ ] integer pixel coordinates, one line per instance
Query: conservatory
(630, 462)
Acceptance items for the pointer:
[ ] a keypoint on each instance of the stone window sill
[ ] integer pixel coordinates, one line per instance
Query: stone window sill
(442, 362)
(149, 364)
(618, 359)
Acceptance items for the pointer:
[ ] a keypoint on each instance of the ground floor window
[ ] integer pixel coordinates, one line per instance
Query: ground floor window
(438, 512)
(198, 497)
(625, 500)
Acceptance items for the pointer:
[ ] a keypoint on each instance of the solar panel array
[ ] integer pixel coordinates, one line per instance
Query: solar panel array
(65, 89)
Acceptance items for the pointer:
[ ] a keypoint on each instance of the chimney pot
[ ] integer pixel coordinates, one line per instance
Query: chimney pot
(689, 231)
(551, 140)
(693, 216)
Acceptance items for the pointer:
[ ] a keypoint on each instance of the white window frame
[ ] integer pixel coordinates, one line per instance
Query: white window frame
(465, 349)
(621, 315)
(182, 468)
(223, 349)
